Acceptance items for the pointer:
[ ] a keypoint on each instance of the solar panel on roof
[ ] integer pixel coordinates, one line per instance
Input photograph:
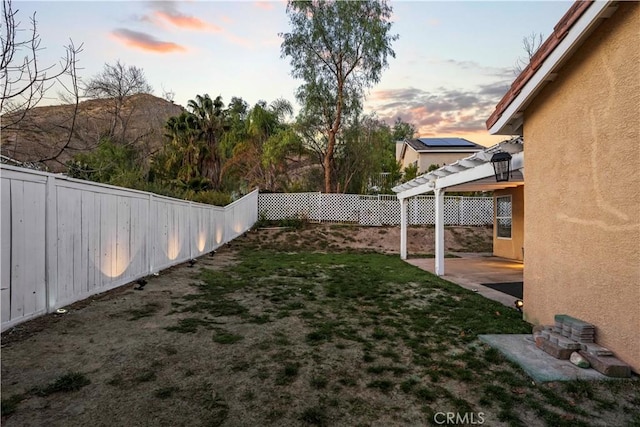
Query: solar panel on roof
(446, 142)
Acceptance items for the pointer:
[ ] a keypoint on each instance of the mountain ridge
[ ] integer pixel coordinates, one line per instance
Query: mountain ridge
(44, 135)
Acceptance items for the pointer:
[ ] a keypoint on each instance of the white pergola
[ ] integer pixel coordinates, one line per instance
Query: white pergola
(473, 173)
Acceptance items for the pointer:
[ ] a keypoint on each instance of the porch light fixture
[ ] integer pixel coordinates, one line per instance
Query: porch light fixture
(501, 165)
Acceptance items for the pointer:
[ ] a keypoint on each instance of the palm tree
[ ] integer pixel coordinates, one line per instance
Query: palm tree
(210, 117)
(185, 149)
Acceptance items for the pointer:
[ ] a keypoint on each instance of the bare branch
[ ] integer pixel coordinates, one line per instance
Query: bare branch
(24, 80)
(530, 45)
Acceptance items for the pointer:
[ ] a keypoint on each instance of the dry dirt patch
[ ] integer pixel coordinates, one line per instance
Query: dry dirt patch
(420, 240)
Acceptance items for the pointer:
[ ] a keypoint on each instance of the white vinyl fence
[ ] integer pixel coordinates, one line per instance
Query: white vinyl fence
(373, 210)
(65, 239)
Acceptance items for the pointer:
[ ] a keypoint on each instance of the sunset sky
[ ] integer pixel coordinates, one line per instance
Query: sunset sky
(454, 60)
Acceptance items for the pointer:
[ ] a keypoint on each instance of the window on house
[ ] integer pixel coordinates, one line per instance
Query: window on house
(503, 217)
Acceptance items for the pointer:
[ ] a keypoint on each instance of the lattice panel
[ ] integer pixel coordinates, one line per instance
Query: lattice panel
(275, 206)
(421, 210)
(340, 207)
(389, 210)
(476, 210)
(369, 210)
(451, 211)
(374, 210)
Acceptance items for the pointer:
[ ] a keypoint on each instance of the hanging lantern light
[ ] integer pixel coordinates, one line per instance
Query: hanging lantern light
(501, 165)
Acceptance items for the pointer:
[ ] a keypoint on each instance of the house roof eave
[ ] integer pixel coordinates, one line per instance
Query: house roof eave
(574, 27)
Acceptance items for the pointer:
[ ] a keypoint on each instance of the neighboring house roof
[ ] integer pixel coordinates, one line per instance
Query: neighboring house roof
(475, 172)
(570, 32)
(440, 145)
(425, 145)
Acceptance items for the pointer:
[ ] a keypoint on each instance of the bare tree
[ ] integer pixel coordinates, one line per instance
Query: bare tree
(169, 95)
(117, 82)
(530, 45)
(69, 94)
(24, 79)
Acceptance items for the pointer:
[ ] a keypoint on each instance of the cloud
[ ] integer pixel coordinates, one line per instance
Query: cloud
(145, 41)
(495, 89)
(465, 65)
(441, 111)
(240, 41)
(264, 5)
(476, 68)
(446, 110)
(167, 12)
(180, 20)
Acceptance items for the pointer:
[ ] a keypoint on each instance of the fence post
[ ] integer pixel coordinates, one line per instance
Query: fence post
(439, 231)
(151, 236)
(404, 204)
(190, 234)
(51, 243)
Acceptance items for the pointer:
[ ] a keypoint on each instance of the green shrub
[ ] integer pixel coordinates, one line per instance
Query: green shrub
(211, 197)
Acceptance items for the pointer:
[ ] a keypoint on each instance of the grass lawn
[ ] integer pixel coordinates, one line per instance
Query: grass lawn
(377, 327)
(310, 338)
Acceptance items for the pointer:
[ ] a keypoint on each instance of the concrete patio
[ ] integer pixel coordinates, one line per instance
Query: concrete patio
(470, 270)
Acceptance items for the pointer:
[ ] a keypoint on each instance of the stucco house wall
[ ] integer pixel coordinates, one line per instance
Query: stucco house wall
(410, 156)
(510, 248)
(582, 234)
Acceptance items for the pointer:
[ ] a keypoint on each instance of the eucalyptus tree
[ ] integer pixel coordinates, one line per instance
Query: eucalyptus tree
(338, 49)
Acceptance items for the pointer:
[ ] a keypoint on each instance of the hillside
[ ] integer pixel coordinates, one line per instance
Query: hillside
(45, 130)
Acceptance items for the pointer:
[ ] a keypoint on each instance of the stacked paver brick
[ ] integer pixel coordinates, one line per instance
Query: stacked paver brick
(569, 335)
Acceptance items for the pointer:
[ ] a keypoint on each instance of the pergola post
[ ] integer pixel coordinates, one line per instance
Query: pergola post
(439, 211)
(404, 204)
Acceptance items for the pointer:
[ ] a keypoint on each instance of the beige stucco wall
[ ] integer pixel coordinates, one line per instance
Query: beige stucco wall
(510, 248)
(399, 146)
(410, 156)
(582, 232)
(427, 159)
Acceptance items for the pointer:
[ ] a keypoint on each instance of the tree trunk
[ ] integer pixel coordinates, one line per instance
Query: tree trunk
(328, 163)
